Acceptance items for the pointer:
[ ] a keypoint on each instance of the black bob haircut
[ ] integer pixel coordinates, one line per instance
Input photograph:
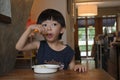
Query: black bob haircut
(51, 14)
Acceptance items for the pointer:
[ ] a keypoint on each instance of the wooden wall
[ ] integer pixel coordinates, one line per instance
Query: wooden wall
(10, 33)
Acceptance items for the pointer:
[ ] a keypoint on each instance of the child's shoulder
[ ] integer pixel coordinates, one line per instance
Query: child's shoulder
(68, 47)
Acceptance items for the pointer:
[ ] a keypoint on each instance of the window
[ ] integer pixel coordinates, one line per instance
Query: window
(85, 44)
(109, 22)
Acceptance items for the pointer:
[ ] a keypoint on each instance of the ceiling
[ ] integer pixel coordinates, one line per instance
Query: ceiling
(100, 3)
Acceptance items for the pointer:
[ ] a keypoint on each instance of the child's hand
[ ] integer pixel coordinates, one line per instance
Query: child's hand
(80, 68)
(38, 29)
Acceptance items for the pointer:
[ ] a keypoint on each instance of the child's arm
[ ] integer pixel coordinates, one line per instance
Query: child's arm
(77, 67)
(22, 44)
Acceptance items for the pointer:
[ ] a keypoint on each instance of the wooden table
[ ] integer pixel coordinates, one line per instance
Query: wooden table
(28, 74)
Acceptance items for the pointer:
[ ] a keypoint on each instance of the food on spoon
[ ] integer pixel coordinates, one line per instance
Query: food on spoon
(36, 30)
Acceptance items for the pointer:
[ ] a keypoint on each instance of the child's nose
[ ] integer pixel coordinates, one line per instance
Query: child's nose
(49, 28)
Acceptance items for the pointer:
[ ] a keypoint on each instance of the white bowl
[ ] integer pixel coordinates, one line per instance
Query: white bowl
(45, 68)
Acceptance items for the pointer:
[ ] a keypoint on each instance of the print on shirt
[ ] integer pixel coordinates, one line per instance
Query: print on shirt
(55, 62)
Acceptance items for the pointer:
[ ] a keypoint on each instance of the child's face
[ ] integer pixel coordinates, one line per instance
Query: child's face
(53, 29)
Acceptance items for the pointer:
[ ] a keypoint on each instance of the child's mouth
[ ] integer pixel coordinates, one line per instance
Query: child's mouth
(49, 35)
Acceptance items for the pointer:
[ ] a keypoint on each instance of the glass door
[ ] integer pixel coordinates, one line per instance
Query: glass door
(86, 33)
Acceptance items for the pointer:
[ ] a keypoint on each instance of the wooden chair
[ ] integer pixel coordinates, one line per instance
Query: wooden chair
(25, 59)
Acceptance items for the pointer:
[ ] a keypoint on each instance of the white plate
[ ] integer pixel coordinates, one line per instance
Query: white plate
(45, 68)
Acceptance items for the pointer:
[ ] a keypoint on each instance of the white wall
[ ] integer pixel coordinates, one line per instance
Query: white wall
(5, 7)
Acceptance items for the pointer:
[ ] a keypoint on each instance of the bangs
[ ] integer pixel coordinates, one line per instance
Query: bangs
(51, 14)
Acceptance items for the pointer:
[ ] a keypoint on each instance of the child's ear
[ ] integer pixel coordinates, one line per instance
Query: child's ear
(62, 30)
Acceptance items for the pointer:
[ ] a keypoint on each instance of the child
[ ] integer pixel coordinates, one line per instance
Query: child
(51, 25)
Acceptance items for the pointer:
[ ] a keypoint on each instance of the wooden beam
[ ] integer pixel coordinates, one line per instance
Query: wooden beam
(5, 19)
(80, 1)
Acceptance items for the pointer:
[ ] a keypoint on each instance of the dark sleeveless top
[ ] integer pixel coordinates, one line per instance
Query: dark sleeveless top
(47, 55)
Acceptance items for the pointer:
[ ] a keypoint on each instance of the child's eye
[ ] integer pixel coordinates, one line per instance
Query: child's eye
(54, 24)
(44, 25)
